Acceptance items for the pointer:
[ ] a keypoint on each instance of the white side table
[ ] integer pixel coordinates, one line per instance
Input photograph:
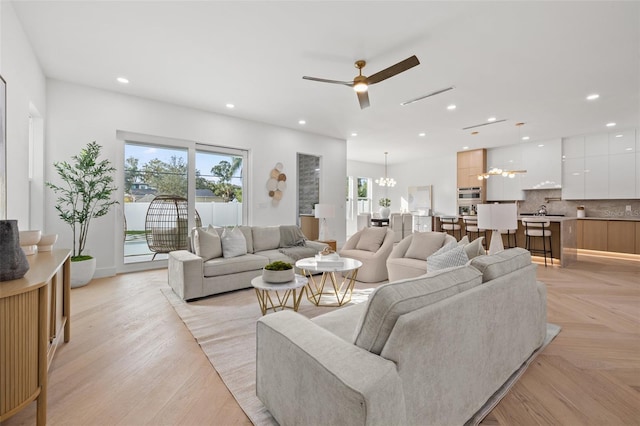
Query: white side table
(289, 289)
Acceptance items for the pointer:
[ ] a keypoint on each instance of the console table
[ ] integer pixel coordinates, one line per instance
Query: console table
(34, 310)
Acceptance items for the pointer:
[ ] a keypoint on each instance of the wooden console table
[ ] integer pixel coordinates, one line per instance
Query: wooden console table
(33, 312)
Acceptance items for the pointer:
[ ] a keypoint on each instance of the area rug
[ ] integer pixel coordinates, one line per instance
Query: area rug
(225, 328)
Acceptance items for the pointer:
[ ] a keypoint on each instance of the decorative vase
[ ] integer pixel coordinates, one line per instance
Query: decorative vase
(384, 212)
(82, 272)
(277, 277)
(14, 262)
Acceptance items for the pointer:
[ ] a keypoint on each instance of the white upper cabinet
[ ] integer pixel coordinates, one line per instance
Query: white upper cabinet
(597, 144)
(607, 168)
(501, 188)
(543, 163)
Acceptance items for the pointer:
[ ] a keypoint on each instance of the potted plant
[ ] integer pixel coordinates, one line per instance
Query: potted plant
(85, 194)
(385, 211)
(278, 272)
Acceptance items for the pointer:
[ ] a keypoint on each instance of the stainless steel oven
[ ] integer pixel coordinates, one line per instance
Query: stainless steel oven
(470, 194)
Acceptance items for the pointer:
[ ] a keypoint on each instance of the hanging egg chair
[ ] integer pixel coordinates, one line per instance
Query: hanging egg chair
(166, 225)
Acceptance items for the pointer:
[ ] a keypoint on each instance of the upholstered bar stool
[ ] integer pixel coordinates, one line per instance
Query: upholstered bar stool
(471, 228)
(510, 233)
(536, 227)
(450, 226)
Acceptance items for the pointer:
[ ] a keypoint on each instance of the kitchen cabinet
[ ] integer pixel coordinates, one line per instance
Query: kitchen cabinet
(500, 188)
(470, 165)
(594, 235)
(621, 236)
(601, 166)
(543, 162)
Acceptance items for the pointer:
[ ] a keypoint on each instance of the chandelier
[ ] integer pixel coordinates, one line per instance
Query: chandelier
(495, 171)
(386, 181)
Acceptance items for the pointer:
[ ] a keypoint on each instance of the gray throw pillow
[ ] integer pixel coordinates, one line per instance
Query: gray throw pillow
(448, 259)
(371, 239)
(423, 244)
(475, 248)
(233, 243)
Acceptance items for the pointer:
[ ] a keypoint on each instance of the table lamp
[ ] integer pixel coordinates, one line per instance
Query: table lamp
(496, 217)
(322, 212)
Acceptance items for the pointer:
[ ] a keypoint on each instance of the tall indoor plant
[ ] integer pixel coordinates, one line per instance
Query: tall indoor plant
(85, 194)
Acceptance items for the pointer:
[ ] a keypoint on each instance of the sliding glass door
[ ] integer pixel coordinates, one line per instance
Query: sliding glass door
(168, 189)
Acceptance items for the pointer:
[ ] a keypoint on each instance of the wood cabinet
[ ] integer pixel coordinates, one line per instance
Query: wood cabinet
(34, 316)
(621, 236)
(309, 226)
(594, 235)
(470, 165)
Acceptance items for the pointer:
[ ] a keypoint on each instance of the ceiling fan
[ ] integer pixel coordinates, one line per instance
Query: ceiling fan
(361, 82)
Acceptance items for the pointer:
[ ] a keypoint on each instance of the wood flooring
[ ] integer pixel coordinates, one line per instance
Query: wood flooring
(131, 360)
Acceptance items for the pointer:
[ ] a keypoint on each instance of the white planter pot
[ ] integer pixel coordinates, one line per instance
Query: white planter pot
(384, 212)
(82, 272)
(275, 277)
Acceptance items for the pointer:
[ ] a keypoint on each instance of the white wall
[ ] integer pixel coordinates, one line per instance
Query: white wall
(25, 92)
(79, 114)
(439, 172)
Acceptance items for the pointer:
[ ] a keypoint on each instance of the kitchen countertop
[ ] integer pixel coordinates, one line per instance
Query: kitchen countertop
(550, 218)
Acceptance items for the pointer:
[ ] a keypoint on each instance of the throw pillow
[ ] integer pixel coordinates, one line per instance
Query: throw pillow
(371, 239)
(207, 243)
(233, 243)
(423, 244)
(445, 248)
(447, 259)
(464, 241)
(475, 248)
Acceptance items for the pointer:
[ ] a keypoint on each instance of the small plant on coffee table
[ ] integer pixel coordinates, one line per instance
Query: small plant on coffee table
(278, 265)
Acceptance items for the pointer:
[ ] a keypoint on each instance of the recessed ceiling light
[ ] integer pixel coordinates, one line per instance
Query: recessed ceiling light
(122, 80)
(618, 136)
(451, 107)
(628, 149)
(540, 145)
(230, 106)
(525, 138)
(354, 134)
(301, 122)
(475, 133)
(491, 119)
(593, 97)
(465, 148)
(611, 124)
(423, 134)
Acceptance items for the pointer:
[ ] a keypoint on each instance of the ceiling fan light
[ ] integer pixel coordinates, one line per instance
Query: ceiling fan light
(360, 87)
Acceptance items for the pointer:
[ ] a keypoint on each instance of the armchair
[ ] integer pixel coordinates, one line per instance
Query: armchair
(371, 246)
(401, 266)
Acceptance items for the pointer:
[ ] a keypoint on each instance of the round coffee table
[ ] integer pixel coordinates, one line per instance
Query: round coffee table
(342, 292)
(289, 288)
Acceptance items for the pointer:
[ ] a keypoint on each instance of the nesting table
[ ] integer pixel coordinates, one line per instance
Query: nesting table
(341, 292)
(283, 292)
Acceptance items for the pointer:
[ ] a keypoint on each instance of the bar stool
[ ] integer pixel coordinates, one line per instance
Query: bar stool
(509, 233)
(471, 227)
(538, 228)
(450, 226)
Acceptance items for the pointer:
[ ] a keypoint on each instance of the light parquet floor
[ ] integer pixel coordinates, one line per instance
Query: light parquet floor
(131, 361)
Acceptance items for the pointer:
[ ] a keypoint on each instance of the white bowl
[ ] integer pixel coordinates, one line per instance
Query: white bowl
(47, 241)
(30, 238)
(29, 250)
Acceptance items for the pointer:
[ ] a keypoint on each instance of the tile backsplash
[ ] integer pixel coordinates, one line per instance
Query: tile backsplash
(552, 198)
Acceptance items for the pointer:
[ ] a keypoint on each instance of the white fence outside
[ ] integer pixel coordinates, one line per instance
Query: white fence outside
(211, 213)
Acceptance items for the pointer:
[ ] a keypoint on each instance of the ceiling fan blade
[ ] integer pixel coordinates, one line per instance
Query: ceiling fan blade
(363, 98)
(401, 66)
(324, 80)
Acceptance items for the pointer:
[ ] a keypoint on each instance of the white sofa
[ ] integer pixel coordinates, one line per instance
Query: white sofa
(191, 277)
(429, 350)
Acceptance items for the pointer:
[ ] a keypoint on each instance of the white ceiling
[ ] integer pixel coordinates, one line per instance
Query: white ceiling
(521, 61)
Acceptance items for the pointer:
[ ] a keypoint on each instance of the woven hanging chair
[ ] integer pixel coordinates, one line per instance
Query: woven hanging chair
(166, 225)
